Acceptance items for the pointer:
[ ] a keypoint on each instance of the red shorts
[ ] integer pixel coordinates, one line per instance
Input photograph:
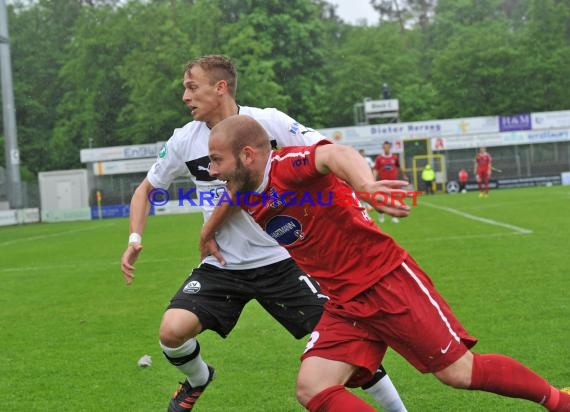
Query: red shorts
(482, 175)
(403, 311)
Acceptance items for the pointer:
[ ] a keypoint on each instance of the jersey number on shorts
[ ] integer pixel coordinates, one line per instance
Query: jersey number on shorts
(305, 278)
(312, 340)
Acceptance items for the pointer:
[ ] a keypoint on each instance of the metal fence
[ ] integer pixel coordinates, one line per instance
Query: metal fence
(545, 159)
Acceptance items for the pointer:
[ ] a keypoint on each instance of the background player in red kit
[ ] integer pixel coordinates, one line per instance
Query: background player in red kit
(379, 296)
(463, 177)
(482, 170)
(387, 167)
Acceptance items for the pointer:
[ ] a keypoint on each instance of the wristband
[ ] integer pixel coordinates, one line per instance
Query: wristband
(135, 238)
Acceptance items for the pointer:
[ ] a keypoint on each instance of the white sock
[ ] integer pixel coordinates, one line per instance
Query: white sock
(188, 361)
(385, 393)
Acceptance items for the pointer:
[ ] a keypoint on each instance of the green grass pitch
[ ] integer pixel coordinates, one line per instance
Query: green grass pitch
(71, 332)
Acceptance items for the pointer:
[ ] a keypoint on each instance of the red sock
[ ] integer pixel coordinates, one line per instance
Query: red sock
(505, 376)
(337, 399)
(558, 402)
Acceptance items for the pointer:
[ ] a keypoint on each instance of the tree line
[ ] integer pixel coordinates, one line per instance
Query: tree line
(107, 72)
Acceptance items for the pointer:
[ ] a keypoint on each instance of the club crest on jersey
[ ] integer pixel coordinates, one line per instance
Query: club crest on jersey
(192, 287)
(286, 230)
(163, 151)
(273, 202)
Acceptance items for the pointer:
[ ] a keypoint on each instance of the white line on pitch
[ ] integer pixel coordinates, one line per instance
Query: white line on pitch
(38, 237)
(480, 219)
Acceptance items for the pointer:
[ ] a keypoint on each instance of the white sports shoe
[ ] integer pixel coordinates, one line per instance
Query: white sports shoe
(381, 218)
(395, 220)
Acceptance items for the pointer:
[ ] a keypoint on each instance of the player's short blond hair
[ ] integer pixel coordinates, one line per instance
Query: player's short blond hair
(218, 67)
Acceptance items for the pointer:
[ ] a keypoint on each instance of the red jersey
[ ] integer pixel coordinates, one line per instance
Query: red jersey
(463, 176)
(339, 246)
(483, 162)
(387, 166)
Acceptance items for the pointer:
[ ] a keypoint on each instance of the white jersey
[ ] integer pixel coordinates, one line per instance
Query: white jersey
(242, 243)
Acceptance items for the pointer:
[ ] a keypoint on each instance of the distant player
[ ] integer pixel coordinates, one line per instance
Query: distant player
(379, 296)
(463, 177)
(387, 167)
(482, 170)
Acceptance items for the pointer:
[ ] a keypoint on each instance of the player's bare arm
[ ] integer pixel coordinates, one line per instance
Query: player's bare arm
(348, 164)
(140, 207)
(208, 245)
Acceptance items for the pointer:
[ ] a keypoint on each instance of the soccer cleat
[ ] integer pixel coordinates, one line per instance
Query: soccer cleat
(395, 220)
(480, 194)
(381, 218)
(186, 396)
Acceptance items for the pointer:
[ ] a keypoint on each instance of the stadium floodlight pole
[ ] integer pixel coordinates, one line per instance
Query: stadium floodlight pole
(11, 144)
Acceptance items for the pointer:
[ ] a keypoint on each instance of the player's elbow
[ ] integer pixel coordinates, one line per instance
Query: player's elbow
(143, 189)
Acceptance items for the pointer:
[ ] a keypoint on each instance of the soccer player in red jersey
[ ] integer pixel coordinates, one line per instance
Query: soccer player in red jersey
(482, 170)
(379, 296)
(387, 167)
(463, 177)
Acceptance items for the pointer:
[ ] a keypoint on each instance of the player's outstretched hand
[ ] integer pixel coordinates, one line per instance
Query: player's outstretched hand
(128, 260)
(208, 246)
(387, 196)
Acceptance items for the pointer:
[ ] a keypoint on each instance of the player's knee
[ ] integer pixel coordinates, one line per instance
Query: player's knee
(171, 336)
(317, 374)
(455, 380)
(305, 390)
(177, 327)
(458, 374)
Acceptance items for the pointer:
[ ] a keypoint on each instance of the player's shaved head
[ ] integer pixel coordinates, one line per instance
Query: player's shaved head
(239, 148)
(240, 131)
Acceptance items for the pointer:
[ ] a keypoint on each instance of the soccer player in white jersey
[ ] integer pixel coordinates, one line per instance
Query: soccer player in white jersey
(248, 264)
